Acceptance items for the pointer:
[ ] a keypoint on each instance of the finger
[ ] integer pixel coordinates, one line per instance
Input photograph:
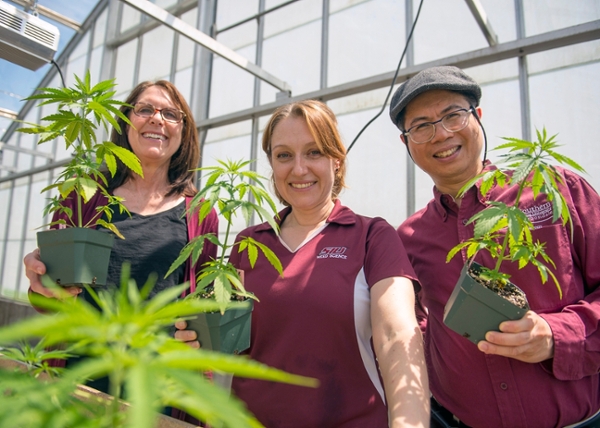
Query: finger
(504, 351)
(181, 325)
(186, 335)
(507, 339)
(33, 263)
(524, 324)
(73, 291)
(194, 344)
(38, 288)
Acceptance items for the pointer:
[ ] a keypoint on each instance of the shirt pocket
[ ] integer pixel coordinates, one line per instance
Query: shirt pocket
(545, 297)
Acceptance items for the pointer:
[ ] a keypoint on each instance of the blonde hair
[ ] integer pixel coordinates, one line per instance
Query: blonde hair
(322, 125)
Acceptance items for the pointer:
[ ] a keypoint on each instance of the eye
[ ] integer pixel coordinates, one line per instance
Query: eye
(453, 116)
(314, 153)
(171, 114)
(144, 109)
(282, 156)
(422, 127)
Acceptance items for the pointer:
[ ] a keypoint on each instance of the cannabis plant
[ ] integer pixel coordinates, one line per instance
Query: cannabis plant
(81, 111)
(126, 340)
(504, 231)
(227, 189)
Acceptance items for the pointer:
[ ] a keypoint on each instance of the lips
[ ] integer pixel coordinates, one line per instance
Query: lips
(154, 136)
(446, 153)
(302, 185)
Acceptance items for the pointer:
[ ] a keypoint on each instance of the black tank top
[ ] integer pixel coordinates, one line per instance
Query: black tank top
(151, 244)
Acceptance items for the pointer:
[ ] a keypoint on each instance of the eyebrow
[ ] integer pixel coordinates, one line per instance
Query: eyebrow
(448, 109)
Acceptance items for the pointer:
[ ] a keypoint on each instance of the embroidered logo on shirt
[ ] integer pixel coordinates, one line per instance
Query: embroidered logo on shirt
(539, 213)
(333, 253)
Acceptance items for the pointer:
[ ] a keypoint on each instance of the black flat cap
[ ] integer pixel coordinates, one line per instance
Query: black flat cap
(445, 77)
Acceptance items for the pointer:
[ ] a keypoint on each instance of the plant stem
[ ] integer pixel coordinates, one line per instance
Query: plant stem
(79, 209)
(503, 256)
(227, 230)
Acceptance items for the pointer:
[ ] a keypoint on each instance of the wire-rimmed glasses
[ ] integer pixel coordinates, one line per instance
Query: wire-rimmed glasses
(452, 122)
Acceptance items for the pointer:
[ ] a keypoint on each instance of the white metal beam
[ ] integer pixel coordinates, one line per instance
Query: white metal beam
(483, 21)
(209, 43)
(49, 13)
(526, 46)
(4, 146)
(9, 114)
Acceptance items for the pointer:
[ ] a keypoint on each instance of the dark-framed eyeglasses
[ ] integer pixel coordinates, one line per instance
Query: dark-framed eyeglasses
(168, 114)
(452, 122)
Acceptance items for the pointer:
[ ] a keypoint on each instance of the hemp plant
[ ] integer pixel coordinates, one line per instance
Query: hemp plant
(123, 337)
(504, 231)
(227, 188)
(81, 110)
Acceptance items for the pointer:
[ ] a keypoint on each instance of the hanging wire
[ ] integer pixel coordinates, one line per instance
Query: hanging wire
(62, 79)
(393, 79)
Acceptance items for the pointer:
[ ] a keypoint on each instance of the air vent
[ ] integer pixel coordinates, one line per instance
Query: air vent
(25, 39)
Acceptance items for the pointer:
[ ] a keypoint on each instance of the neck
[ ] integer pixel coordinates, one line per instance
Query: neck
(453, 187)
(311, 218)
(155, 181)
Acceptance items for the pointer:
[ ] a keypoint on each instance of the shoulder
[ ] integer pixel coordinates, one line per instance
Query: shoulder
(417, 221)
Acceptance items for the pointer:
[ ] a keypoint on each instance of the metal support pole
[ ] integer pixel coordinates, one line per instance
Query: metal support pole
(209, 43)
(523, 75)
(324, 44)
(410, 165)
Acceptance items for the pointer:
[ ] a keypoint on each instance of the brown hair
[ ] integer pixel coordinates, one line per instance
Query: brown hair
(322, 125)
(186, 158)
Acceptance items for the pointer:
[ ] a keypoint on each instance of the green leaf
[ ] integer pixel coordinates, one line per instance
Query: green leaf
(140, 383)
(88, 188)
(130, 160)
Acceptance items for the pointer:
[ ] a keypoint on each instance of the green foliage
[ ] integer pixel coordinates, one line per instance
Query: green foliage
(227, 188)
(126, 341)
(82, 109)
(504, 231)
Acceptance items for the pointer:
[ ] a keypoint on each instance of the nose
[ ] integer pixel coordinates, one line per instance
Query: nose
(299, 165)
(441, 133)
(156, 117)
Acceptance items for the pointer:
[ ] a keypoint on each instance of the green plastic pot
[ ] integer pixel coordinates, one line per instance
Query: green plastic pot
(75, 255)
(474, 309)
(228, 333)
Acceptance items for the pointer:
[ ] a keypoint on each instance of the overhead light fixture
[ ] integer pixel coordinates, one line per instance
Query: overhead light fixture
(25, 39)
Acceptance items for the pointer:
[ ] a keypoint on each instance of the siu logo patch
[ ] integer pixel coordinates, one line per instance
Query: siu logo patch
(333, 253)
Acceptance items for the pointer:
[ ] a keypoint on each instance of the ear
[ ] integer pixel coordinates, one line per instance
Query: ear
(337, 164)
(403, 139)
(479, 112)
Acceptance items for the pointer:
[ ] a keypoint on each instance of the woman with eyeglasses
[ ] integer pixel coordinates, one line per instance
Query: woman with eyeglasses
(165, 139)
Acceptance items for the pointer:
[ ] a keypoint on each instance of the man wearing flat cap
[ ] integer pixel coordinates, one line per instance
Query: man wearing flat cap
(539, 371)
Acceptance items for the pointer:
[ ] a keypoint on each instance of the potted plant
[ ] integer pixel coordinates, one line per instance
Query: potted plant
(74, 252)
(127, 341)
(479, 301)
(227, 188)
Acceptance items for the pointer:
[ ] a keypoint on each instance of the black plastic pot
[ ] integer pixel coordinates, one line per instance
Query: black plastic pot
(76, 255)
(228, 333)
(473, 309)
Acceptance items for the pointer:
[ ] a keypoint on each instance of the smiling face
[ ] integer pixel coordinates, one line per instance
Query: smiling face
(450, 158)
(303, 175)
(153, 139)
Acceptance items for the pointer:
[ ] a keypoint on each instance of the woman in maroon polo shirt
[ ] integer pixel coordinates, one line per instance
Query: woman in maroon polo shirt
(344, 311)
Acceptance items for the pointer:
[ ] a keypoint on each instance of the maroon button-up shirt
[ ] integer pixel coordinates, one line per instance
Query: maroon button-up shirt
(493, 391)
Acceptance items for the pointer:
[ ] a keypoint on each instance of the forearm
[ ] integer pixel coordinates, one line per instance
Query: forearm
(404, 373)
(399, 348)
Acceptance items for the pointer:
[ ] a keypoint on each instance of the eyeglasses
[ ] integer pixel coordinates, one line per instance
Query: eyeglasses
(148, 110)
(452, 122)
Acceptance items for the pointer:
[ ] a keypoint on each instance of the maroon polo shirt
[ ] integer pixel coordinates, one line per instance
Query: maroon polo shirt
(316, 322)
(492, 391)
